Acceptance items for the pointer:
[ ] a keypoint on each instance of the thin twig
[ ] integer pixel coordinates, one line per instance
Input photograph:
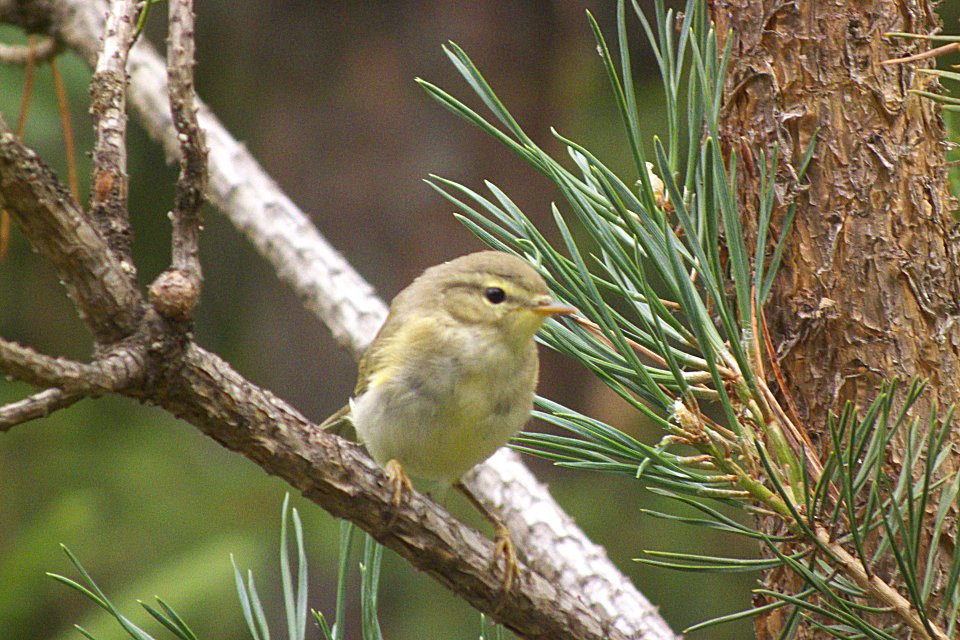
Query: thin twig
(924, 55)
(38, 405)
(108, 89)
(4, 233)
(21, 55)
(799, 439)
(329, 287)
(670, 304)
(98, 283)
(29, 76)
(112, 371)
(774, 360)
(192, 182)
(63, 106)
(23, 363)
(880, 590)
(793, 427)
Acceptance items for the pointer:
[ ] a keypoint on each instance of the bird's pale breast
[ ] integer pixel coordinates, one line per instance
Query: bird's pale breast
(444, 408)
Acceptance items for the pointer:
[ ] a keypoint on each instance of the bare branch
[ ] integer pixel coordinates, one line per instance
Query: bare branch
(18, 54)
(340, 477)
(97, 281)
(192, 183)
(882, 591)
(112, 371)
(39, 405)
(23, 363)
(108, 89)
(509, 487)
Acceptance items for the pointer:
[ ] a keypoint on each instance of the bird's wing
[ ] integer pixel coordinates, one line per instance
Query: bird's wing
(371, 361)
(376, 356)
(336, 421)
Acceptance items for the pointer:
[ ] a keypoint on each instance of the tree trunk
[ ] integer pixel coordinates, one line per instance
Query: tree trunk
(868, 290)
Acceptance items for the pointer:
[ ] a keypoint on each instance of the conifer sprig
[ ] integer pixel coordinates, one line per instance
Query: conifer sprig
(671, 297)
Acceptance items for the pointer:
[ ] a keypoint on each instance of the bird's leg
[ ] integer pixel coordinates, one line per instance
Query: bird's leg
(399, 480)
(505, 547)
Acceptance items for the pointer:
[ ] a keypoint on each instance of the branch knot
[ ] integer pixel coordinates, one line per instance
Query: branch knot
(174, 295)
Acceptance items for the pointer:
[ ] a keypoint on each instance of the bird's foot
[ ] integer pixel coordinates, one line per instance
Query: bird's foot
(506, 550)
(398, 479)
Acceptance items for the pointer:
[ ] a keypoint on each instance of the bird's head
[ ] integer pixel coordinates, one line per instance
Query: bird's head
(491, 289)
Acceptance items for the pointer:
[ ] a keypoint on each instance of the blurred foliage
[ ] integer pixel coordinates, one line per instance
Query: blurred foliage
(329, 106)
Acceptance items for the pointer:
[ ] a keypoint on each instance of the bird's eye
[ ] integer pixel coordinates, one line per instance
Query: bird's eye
(495, 295)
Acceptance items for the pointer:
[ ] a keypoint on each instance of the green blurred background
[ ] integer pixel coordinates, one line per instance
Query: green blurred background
(323, 95)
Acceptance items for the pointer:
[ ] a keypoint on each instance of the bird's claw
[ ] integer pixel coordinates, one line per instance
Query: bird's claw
(398, 479)
(506, 549)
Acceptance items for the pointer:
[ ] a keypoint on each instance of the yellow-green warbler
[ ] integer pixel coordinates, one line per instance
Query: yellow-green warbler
(451, 375)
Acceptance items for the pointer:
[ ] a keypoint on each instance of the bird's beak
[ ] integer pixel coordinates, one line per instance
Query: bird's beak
(550, 307)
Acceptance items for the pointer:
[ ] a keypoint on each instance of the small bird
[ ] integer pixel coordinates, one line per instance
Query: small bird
(451, 375)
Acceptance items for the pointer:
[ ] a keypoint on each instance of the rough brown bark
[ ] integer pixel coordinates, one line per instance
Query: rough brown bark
(868, 289)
